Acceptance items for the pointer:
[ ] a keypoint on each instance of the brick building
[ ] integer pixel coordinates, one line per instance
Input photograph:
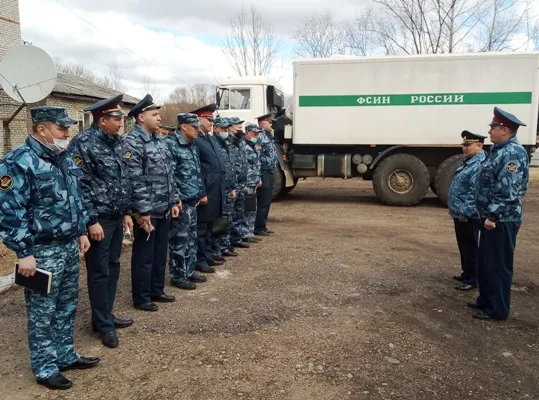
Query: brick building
(70, 91)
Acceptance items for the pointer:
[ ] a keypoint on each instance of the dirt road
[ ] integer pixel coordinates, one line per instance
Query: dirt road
(349, 300)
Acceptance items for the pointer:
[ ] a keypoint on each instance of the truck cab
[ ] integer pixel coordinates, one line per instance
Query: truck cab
(248, 97)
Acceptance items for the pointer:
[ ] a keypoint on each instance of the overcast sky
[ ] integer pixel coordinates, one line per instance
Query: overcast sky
(181, 37)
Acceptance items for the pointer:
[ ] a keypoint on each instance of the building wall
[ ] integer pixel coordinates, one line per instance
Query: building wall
(10, 37)
(10, 28)
(21, 126)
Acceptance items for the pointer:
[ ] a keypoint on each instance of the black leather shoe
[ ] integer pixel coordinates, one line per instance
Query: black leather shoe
(185, 285)
(197, 278)
(213, 263)
(230, 253)
(110, 340)
(262, 234)
(120, 323)
(241, 245)
(146, 307)
(474, 305)
(465, 286)
(56, 382)
(482, 315)
(205, 268)
(249, 240)
(82, 363)
(164, 298)
(219, 258)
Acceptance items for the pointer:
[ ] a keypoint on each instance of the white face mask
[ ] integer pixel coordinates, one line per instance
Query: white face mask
(223, 135)
(57, 145)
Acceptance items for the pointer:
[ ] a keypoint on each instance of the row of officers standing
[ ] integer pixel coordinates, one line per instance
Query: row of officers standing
(195, 195)
(485, 202)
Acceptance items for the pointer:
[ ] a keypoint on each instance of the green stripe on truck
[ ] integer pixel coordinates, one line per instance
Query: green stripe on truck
(420, 99)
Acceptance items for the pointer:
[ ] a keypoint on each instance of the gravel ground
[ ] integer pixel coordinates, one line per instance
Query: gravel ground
(349, 300)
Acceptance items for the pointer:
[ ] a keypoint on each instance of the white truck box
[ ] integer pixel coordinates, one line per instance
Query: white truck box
(413, 101)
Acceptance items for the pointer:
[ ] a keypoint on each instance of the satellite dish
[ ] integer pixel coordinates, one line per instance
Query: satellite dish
(27, 74)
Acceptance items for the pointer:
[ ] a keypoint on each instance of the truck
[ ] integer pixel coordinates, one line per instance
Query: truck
(392, 120)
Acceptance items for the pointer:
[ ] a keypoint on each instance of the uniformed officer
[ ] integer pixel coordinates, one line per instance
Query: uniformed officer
(100, 153)
(252, 138)
(189, 186)
(211, 205)
(462, 208)
(42, 219)
(268, 161)
(501, 184)
(238, 154)
(154, 200)
(221, 246)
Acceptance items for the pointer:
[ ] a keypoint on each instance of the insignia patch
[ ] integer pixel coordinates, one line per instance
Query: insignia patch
(6, 182)
(128, 154)
(78, 160)
(511, 167)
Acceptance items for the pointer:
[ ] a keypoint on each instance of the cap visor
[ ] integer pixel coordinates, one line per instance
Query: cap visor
(66, 122)
(118, 113)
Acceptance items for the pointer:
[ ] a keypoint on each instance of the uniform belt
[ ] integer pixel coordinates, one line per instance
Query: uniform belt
(57, 241)
(190, 202)
(110, 216)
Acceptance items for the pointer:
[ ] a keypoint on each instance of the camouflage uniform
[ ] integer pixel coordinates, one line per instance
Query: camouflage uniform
(106, 193)
(253, 179)
(462, 208)
(189, 186)
(268, 161)
(153, 193)
(238, 155)
(42, 214)
(222, 243)
(502, 182)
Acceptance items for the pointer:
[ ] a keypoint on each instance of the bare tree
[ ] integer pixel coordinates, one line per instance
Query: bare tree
(114, 78)
(251, 46)
(185, 99)
(75, 69)
(320, 35)
(441, 26)
(358, 38)
(149, 86)
(503, 23)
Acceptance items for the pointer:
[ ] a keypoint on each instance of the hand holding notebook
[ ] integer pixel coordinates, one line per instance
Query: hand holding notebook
(38, 279)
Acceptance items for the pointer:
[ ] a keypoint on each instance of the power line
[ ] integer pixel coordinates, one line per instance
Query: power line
(118, 43)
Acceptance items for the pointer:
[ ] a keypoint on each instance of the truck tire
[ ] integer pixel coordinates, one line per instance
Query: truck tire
(444, 175)
(401, 180)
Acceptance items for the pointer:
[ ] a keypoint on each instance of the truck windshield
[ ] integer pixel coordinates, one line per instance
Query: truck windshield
(234, 99)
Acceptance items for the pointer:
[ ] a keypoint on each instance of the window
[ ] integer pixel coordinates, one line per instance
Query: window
(129, 124)
(87, 121)
(223, 99)
(240, 99)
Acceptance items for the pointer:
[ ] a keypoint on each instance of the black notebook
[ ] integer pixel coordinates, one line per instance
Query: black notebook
(41, 282)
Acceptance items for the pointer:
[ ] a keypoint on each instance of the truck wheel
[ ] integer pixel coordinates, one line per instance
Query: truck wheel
(401, 180)
(444, 175)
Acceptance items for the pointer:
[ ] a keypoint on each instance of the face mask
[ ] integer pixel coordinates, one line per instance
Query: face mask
(223, 135)
(57, 145)
(239, 133)
(254, 140)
